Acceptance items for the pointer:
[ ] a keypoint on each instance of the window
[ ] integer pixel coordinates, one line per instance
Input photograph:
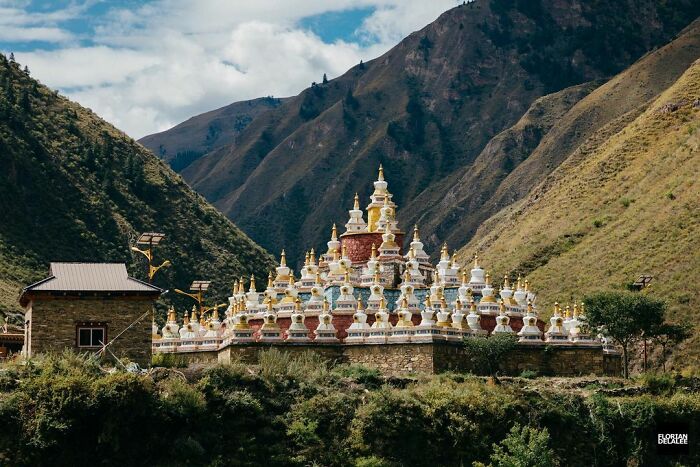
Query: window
(91, 335)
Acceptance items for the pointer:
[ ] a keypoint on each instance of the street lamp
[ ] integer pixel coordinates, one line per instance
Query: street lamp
(149, 240)
(198, 288)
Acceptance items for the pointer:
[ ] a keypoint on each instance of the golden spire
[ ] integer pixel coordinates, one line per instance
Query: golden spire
(283, 259)
(527, 285)
(375, 279)
(325, 304)
(297, 304)
(464, 277)
(416, 237)
(290, 283)
(487, 280)
(428, 303)
(406, 275)
(374, 251)
(235, 287)
(567, 312)
(501, 307)
(454, 257)
(458, 304)
(193, 316)
(360, 306)
(557, 309)
(356, 206)
(382, 303)
(185, 319)
(346, 277)
(215, 316)
(381, 173)
(269, 306)
(581, 311)
(269, 280)
(404, 302)
(472, 305)
(575, 310)
(312, 257)
(307, 256)
(505, 282)
(444, 254)
(443, 303)
(412, 253)
(317, 280)
(344, 249)
(241, 285)
(529, 307)
(334, 233)
(476, 260)
(519, 285)
(252, 283)
(171, 314)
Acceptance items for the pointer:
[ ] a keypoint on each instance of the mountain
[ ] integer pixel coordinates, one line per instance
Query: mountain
(623, 201)
(207, 132)
(74, 188)
(429, 109)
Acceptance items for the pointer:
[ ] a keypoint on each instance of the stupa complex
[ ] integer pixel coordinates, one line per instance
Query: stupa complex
(365, 290)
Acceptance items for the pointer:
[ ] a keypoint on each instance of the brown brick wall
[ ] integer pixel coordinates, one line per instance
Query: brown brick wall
(359, 246)
(53, 324)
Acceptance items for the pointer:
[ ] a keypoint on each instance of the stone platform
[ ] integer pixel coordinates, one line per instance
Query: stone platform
(435, 357)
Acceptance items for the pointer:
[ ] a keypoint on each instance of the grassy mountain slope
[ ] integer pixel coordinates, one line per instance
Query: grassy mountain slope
(184, 143)
(625, 203)
(427, 110)
(74, 188)
(603, 112)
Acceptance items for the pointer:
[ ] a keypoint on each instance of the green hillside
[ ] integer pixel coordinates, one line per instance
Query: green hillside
(428, 110)
(74, 188)
(181, 145)
(624, 202)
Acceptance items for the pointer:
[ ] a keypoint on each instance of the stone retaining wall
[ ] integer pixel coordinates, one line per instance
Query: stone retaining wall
(437, 357)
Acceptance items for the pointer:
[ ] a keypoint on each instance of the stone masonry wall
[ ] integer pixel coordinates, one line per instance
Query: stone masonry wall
(397, 359)
(53, 324)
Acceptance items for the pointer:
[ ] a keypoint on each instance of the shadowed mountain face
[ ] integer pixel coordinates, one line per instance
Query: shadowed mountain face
(201, 134)
(623, 199)
(451, 112)
(74, 188)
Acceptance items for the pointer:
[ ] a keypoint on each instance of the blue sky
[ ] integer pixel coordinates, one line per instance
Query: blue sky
(147, 65)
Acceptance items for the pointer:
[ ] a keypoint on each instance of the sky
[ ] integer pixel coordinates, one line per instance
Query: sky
(145, 66)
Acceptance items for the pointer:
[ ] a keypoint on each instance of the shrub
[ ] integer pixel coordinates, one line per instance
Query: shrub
(371, 378)
(524, 447)
(484, 353)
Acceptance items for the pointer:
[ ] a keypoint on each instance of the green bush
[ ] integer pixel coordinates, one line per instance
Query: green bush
(524, 447)
(66, 410)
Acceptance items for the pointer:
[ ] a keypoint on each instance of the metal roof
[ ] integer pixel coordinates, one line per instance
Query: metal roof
(90, 277)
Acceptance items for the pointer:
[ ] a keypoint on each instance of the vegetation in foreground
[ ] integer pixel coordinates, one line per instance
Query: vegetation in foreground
(66, 410)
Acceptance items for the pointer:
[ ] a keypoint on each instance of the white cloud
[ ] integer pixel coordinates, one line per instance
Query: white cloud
(157, 65)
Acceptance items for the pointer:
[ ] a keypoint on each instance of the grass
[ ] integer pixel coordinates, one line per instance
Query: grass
(634, 201)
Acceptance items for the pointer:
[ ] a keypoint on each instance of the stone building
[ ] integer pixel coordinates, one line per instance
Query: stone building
(84, 306)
